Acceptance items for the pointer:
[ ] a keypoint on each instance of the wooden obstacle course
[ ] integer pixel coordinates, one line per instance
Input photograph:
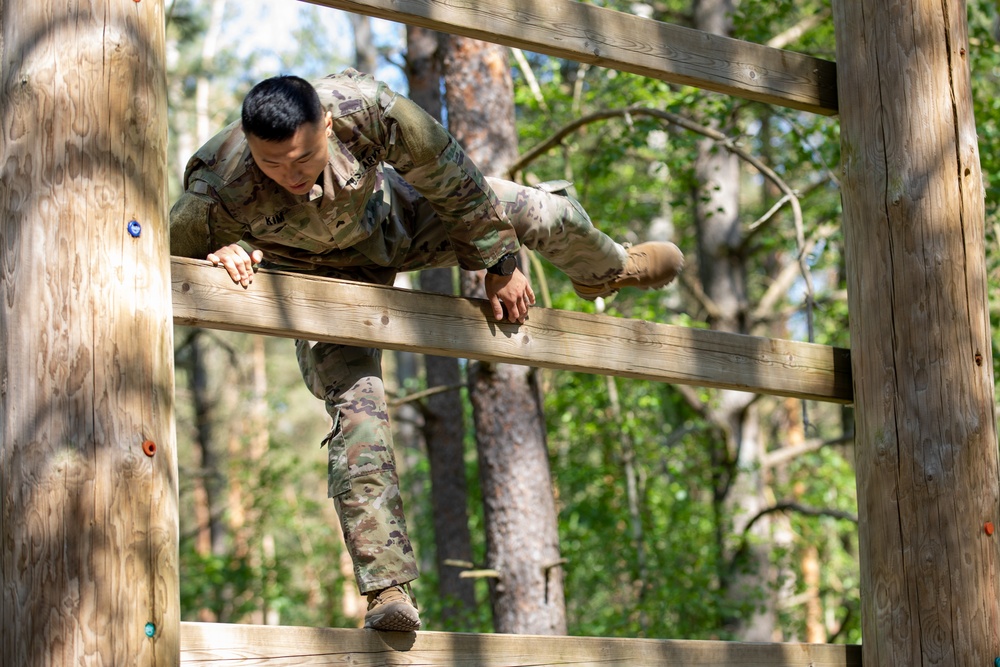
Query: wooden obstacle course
(927, 477)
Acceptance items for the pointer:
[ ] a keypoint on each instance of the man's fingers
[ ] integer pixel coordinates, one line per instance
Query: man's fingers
(244, 272)
(497, 308)
(234, 265)
(517, 310)
(236, 261)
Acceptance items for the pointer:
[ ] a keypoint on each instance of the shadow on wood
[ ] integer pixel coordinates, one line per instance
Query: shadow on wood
(299, 306)
(221, 644)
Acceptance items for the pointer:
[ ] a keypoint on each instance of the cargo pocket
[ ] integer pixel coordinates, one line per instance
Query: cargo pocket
(338, 479)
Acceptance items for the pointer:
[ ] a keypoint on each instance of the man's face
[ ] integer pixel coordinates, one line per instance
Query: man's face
(296, 163)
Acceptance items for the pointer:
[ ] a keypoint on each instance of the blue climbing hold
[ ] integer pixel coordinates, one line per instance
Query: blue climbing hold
(150, 630)
(134, 228)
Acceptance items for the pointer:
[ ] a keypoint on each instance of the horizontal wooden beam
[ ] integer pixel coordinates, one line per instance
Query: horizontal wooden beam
(297, 306)
(608, 38)
(206, 644)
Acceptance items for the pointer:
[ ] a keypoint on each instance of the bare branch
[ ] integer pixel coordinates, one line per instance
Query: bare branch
(789, 274)
(791, 506)
(581, 76)
(529, 77)
(767, 216)
(704, 300)
(783, 39)
(420, 395)
(785, 454)
(688, 124)
(638, 110)
(848, 612)
(786, 506)
(782, 314)
(690, 394)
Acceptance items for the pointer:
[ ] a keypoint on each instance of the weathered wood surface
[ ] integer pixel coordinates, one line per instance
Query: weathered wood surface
(926, 432)
(88, 535)
(207, 644)
(599, 36)
(296, 306)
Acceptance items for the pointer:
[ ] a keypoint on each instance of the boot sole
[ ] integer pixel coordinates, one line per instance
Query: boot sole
(397, 618)
(591, 292)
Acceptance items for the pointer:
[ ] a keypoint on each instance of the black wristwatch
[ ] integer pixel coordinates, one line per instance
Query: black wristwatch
(504, 266)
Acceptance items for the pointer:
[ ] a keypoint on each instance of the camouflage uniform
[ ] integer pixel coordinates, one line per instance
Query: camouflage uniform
(398, 194)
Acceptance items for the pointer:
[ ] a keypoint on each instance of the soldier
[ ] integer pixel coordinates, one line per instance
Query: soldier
(344, 178)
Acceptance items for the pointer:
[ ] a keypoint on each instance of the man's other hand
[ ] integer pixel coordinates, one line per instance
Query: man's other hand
(237, 262)
(512, 291)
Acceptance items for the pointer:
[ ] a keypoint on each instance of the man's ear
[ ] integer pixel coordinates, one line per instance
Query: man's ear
(329, 122)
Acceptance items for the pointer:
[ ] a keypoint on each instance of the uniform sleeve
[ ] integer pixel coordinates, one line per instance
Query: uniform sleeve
(199, 224)
(431, 160)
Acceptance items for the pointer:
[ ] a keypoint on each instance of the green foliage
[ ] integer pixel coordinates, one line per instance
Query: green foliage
(984, 58)
(247, 578)
(655, 563)
(278, 549)
(415, 471)
(674, 552)
(607, 594)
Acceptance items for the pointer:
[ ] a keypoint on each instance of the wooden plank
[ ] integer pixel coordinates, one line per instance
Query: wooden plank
(298, 306)
(206, 644)
(927, 461)
(608, 38)
(88, 521)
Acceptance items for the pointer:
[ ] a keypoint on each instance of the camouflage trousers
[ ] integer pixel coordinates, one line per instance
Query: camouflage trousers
(362, 471)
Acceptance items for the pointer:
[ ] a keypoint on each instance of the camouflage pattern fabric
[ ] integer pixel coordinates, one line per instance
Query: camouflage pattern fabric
(343, 224)
(398, 194)
(362, 476)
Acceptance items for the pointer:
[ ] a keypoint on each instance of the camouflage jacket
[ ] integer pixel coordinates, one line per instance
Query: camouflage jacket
(228, 199)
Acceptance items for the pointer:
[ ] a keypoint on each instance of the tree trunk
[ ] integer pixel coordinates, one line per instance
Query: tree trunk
(88, 466)
(206, 456)
(423, 68)
(365, 54)
(207, 481)
(521, 521)
(444, 423)
(521, 525)
(259, 435)
(203, 88)
(740, 490)
(926, 446)
(208, 484)
(444, 431)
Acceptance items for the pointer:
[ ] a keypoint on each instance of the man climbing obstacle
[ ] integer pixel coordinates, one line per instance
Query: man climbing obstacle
(344, 178)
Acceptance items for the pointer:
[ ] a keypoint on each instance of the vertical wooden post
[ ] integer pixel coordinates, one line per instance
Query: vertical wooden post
(88, 531)
(920, 339)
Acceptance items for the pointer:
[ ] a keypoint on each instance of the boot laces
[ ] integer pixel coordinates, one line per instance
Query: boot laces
(398, 593)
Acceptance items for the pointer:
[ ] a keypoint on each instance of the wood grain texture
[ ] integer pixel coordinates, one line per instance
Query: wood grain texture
(297, 306)
(207, 644)
(88, 551)
(927, 464)
(599, 36)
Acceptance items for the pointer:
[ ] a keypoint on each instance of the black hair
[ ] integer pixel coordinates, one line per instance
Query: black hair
(276, 108)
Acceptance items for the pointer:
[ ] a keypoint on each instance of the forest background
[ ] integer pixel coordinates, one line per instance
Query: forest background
(680, 512)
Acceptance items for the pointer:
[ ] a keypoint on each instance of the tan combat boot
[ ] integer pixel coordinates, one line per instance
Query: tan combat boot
(649, 265)
(392, 609)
